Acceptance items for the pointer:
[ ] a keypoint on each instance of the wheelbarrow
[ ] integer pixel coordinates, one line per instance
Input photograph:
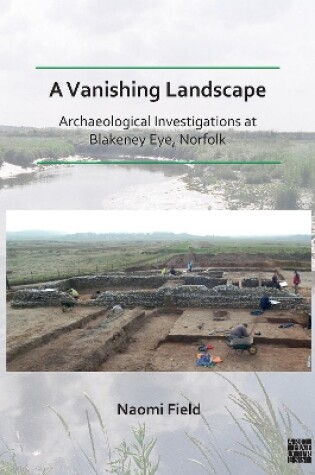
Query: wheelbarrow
(242, 344)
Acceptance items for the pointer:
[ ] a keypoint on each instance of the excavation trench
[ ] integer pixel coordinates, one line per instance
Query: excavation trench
(159, 339)
(94, 343)
(48, 337)
(283, 342)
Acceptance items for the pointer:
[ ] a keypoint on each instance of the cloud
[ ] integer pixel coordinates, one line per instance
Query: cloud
(98, 32)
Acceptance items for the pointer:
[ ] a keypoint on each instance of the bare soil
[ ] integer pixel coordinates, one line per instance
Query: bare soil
(249, 261)
(182, 357)
(90, 338)
(82, 348)
(31, 327)
(152, 341)
(142, 346)
(154, 347)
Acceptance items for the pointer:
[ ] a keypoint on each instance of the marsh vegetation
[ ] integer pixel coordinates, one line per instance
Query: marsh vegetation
(287, 185)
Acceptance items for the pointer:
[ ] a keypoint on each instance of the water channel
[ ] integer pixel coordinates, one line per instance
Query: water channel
(73, 187)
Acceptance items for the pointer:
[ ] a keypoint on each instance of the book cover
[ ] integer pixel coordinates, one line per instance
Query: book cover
(156, 189)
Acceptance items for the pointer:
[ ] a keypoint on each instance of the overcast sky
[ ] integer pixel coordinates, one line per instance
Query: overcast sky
(165, 32)
(230, 223)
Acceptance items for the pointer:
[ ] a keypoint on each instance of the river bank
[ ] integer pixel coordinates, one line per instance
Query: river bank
(7, 171)
(113, 187)
(172, 193)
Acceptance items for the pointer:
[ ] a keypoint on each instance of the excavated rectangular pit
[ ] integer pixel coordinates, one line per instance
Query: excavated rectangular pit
(196, 323)
(82, 347)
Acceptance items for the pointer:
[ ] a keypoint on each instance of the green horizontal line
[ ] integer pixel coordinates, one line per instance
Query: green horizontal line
(159, 162)
(157, 67)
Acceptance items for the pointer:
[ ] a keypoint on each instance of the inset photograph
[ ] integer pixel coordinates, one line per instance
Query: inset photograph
(186, 291)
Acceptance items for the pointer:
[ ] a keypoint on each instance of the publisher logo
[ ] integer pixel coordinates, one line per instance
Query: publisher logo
(299, 450)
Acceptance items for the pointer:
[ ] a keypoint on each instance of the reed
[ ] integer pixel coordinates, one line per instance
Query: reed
(134, 458)
(264, 431)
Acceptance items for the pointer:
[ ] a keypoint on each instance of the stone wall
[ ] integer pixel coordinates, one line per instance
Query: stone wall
(196, 296)
(29, 298)
(253, 282)
(136, 281)
(185, 290)
(267, 282)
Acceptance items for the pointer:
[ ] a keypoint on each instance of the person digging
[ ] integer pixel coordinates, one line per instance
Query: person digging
(240, 331)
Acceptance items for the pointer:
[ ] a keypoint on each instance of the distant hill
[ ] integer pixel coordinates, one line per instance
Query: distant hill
(41, 235)
(157, 236)
(33, 235)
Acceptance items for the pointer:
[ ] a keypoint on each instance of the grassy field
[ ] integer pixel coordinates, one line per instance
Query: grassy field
(40, 261)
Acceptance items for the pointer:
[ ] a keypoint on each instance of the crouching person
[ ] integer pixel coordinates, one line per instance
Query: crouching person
(239, 332)
(240, 335)
(73, 293)
(265, 303)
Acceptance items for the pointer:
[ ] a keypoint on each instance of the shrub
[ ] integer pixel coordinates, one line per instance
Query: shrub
(257, 178)
(286, 198)
(227, 174)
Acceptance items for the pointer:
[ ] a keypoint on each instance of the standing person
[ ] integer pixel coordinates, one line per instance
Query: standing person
(275, 281)
(189, 267)
(172, 270)
(296, 281)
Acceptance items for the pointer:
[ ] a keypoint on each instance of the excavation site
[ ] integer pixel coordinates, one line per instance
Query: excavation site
(149, 321)
(158, 291)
